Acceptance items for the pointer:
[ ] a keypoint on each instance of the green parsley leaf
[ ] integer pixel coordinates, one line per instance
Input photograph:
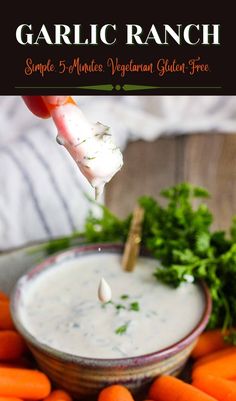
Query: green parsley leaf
(122, 329)
(120, 306)
(124, 296)
(134, 306)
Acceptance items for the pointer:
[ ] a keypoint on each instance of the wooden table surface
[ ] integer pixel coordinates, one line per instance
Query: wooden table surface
(207, 160)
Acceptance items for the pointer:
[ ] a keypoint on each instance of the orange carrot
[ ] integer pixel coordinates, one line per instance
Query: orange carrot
(24, 383)
(58, 395)
(209, 341)
(115, 392)
(213, 356)
(224, 367)
(12, 345)
(10, 399)
(169, 388)
(221, 389)
(5, 316)
(3, 296)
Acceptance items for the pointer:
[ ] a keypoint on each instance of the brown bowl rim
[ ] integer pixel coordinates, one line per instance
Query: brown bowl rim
(139, 360)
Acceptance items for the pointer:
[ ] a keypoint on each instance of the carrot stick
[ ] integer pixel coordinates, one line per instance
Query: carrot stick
(224, 367)
(168, 388)
(221, 389)
(58, 395)
(12, 345)
(6, 322)
(24, 383)
(209, 341)
(10, 399)
(3, 296)
(213, 356)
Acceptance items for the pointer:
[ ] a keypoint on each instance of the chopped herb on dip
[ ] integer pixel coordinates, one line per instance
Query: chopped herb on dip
(122, 329)
(134, 306)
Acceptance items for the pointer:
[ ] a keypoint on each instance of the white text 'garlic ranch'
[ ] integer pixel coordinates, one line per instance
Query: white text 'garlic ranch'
(107, 34)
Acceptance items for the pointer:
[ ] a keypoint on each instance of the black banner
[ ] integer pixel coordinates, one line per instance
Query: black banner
(93, 53)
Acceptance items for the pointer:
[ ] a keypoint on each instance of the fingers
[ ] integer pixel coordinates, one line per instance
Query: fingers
(36, 104)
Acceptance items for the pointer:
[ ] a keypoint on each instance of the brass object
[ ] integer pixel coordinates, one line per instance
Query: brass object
(132, 245)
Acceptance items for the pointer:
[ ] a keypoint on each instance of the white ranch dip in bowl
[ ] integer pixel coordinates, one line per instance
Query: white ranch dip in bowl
(146, 329)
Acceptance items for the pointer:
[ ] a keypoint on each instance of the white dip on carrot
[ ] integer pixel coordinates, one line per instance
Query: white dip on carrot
(90, 145)
(60, 307)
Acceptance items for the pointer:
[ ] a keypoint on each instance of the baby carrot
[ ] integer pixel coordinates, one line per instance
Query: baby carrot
(24, 383)
(168, 388)
(224, 367)
(58, 395)
(10, 399)
(12, 345)
(3, 296)
(5, 316)
(209, 341)
(115, 392)
(213, 356)
(221, 389)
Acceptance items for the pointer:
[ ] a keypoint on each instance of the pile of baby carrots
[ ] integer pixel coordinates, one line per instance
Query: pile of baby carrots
(213, 374)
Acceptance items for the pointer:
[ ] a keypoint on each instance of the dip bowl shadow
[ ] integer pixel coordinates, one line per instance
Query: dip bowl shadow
(84, 377)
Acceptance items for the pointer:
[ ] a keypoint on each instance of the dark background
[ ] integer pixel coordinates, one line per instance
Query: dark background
(220, 58)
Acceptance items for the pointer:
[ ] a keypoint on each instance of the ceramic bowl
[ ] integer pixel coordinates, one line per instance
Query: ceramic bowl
(84, 377)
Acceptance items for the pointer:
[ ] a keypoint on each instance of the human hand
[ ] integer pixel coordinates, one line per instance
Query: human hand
(37, 105)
